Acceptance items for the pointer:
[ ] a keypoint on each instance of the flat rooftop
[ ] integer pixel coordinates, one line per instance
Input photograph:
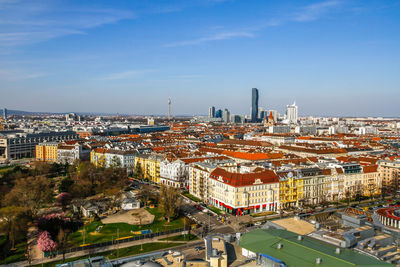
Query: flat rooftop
(303, 252)
(297, 226)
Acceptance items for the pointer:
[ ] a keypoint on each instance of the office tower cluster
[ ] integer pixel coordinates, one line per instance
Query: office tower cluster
(257, 113)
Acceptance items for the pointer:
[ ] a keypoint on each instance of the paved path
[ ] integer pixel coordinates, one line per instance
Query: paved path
(103, 249)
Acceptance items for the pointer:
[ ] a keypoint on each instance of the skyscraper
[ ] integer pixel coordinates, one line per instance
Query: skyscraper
(254, 105)
(5, 114)
(292, 113)
(226, 115)
(218, 113)
(211, 112)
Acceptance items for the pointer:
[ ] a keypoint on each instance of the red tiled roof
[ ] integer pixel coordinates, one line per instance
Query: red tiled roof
(370, 168)
(244, 179)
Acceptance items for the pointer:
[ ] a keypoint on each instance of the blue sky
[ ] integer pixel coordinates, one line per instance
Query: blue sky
(334, 57)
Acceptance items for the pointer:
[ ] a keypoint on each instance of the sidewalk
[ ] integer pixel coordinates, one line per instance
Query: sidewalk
(98, 250)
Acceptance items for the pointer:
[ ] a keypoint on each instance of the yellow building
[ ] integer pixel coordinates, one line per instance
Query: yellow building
(47, 152)
(290, 189)
(149, 166)
(98, 157)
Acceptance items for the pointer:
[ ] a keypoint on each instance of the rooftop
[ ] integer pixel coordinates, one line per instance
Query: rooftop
(303, 252)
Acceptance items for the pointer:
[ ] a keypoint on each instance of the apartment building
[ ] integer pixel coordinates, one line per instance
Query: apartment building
(70, 153)
(290, 189)
(199, 174)
(149, 166)
(119, 158)
(98, 157)
(173, 173)
(389, 171)
(244, 193)
(47, 151)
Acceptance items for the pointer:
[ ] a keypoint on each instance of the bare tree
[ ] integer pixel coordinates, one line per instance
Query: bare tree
(62, 241)
(169, 200)
(145, 194)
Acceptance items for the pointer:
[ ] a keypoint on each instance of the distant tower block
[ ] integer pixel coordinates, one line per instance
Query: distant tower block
(169, 108)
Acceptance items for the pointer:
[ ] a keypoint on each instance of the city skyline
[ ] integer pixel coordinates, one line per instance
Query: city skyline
(334, 58)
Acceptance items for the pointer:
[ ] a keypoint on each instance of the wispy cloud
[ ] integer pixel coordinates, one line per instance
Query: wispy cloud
(314, 11)
(16, 75)
(215, 37)
(26, 22)
(304, 14)
(126, 74)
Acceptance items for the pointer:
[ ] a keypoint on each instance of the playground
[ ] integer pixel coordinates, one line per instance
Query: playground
(133, 217)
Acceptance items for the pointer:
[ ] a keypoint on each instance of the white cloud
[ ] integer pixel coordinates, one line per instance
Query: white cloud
(307, 13)
(28, 22)
(215, 37)
(15, 75)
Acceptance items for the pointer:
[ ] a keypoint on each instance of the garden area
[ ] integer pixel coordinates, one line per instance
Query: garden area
(97, 232)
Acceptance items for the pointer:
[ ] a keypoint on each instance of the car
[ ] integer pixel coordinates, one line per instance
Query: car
(198, 248)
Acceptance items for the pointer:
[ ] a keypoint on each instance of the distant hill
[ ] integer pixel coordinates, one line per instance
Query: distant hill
(31, 113)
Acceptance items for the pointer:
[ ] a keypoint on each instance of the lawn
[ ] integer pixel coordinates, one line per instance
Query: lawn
(123, 252)
(188, 237)
(16, 255)
(195, 199)
(109, 231)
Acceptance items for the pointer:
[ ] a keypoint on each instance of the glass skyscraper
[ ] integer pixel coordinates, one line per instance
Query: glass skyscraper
(254, 105)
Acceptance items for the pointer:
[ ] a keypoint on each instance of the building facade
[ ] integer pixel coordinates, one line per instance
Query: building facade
(244, 193)
(18, 145)
(47, 151)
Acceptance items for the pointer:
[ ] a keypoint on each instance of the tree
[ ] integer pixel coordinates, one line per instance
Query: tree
(62, 241)
(169, 200)
(45, 243)
(32, 192)
(90, 180)
(115, 162)
(15, 223)
(347, 195)
(145, 194)
(63, 200)
(138, 171)
(65, 185)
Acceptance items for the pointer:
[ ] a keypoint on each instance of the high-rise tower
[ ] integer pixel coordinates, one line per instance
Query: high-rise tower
(5, 111)
(254, 104)
(292, 113)
(211, 112)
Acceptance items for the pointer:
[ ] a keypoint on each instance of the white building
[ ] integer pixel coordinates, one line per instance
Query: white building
(70, 153)
(292, 113)
(124, 159)
(279, 129)
(173, 173)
